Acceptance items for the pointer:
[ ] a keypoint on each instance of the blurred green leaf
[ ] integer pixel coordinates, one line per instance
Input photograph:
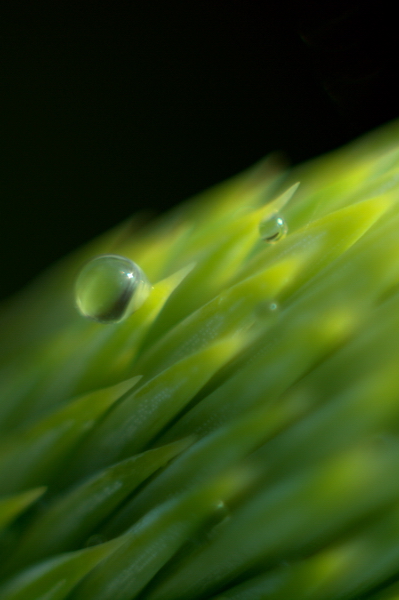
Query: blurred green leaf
(34, 456)
(12, 506)
(72, 517)
(55, 578)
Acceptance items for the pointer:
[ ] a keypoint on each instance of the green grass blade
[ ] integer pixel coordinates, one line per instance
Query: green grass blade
(150, 543)
(12, 506)
(71, 518)
(139, 418)
(35, 455)
(55, 578)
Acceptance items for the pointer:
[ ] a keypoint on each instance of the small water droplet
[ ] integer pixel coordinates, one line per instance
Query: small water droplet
(109, 288)
(220, 515)
(273, 228)
(267, 309)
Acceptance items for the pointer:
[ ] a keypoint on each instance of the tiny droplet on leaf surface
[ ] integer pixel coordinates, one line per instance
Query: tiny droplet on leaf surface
(109, 288)
(273, 228)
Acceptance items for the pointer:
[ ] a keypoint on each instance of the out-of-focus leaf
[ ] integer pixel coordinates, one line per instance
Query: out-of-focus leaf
(150, 543)
(73, 516)
(33, 456)
(135, 421)
(308, 510)
(12, 506)
(55, 578)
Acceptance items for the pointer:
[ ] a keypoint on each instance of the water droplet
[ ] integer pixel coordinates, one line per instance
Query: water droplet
(222, 512)
(109, 288)
(273, 228)
(266, 309)
(215, 519)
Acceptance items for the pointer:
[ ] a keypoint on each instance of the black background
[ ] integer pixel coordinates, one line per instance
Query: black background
(109, 107)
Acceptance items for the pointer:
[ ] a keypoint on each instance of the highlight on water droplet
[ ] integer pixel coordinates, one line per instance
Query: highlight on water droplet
(273, 228)
(109, 288)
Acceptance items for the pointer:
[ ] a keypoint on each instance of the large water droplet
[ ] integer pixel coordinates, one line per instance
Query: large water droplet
(273, 228)
(109, 288)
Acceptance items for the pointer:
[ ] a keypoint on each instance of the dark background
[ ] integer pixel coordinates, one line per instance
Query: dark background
(109, 107)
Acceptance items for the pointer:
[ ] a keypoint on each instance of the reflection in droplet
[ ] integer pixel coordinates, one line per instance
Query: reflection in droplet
(273, 228)
(109, 288)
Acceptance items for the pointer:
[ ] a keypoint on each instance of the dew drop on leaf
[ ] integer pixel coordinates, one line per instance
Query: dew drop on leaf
(273, 228)
(266, 310)
(109, 288)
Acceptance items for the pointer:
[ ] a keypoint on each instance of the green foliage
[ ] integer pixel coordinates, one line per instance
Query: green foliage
(238, 436)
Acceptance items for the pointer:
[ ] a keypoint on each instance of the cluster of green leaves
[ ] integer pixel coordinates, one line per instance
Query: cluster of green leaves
(238, 436)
